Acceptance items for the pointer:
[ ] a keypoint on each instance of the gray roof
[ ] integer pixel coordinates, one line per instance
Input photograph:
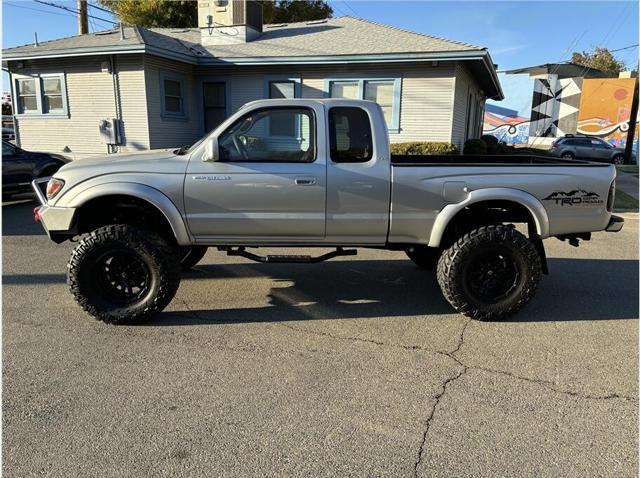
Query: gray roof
(335, 36)
(334, 40)
(563, 70)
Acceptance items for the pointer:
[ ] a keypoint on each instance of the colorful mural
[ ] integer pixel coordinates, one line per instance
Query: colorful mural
(506, 125)
(508, 120)
(605, 109)
(554, 109)
(598, 107)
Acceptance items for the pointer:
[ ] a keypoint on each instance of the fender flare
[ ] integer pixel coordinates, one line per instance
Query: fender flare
(531, 203)
(140, 191)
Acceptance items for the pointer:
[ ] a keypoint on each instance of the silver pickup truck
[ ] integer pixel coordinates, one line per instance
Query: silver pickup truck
(316, 173)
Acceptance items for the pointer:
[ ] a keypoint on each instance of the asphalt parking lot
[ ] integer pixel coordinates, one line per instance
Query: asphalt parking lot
(351, 367)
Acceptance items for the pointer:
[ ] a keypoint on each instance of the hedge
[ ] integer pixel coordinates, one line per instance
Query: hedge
(423, 147)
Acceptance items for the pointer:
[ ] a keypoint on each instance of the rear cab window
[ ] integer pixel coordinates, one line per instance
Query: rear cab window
(350, 139)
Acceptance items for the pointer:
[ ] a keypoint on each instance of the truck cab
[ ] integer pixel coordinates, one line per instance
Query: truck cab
(294, 171)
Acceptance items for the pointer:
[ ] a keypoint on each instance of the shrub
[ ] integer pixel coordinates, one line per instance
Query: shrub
(424, 147)
(474, 146)
(489, 139)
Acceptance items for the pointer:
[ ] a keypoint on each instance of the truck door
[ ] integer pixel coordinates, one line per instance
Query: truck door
(358, 175)
(269, 182)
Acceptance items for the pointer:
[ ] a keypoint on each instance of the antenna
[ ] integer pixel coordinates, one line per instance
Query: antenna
(122, 37)
(35, 39)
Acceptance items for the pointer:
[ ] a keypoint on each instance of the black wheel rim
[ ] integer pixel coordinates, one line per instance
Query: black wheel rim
(492, 276)
(122, 277)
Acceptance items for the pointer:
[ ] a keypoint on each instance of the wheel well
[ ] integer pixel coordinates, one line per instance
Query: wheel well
(484, 213)
(122, 209)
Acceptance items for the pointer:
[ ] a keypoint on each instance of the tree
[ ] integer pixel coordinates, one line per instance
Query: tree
(286, 11)
(600, 59)
(184, 13)
(155, 13)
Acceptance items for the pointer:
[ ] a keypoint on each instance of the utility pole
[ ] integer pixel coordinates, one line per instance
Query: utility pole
(632, 125)
(83, 23)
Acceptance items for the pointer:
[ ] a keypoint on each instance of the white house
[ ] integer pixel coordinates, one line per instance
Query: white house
(136, 88)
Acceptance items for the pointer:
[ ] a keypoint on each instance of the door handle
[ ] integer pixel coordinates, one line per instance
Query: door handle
(306, 181)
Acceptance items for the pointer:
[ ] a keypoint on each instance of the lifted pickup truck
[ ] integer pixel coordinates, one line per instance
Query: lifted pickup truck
(316, 173)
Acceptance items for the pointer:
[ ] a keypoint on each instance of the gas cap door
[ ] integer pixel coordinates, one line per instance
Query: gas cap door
(455, 191)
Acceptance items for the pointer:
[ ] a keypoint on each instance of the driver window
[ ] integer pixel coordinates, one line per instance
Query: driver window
(270, 134)
(596, 143)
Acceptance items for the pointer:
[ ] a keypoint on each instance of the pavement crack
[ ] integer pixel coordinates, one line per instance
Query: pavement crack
(460, 338)
(438, 397)
(544, 383)
(551, 386)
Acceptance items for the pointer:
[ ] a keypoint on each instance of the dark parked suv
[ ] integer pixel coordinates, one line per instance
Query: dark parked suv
(20, 167)
(588, 147)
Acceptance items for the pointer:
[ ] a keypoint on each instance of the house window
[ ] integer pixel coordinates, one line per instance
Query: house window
(52, 93)
(215, 103)
(384, 91)
(42, 95)
(282, 89)
(27, 96)
(173, 96)
(345, 89)
(284, 124)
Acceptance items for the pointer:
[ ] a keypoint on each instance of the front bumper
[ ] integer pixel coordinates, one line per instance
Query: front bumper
(54, 220)
(615, 224)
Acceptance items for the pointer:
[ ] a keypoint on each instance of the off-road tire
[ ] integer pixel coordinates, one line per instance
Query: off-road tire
(151, 250)
(190, 256)
(453, 265)
(424, 257)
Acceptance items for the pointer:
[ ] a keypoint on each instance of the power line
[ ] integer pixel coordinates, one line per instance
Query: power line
(351, 8)
(100, 8)
(38, 9)
(74, 11)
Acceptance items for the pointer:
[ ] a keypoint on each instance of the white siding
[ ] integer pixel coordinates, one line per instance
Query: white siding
(90, 96)
(426, 96)
(170, 132)
(465, 88)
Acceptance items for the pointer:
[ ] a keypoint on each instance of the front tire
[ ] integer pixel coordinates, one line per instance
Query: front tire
(490, 272)
(120, 274)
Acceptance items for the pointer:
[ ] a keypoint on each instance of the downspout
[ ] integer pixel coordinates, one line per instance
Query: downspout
(118, 105)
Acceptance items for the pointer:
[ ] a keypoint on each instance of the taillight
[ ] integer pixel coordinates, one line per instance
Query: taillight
(612, 196)
(53, 187)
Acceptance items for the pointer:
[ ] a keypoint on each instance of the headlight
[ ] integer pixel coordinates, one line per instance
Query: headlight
(53, 187)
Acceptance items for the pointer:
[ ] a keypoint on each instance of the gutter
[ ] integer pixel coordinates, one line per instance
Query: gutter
(479, 55)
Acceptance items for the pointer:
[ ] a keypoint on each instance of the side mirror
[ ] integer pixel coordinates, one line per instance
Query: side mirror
(211, 150)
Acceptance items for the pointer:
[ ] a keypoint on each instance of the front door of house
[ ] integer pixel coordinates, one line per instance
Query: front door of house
(214, 95)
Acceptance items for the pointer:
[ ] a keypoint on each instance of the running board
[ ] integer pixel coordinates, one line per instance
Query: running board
(240, 251)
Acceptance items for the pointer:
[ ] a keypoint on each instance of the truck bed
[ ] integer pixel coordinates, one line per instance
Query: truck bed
(487, 160)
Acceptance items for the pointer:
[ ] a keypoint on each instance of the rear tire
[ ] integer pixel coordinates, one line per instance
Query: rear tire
(191, 256)
(490, 272)
(120, 274)
(568, 156)
(424, 256)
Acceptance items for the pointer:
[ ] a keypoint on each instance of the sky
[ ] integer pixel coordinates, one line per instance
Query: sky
(517, 33)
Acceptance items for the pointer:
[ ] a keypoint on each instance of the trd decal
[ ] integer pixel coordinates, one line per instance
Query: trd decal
(574, 198)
